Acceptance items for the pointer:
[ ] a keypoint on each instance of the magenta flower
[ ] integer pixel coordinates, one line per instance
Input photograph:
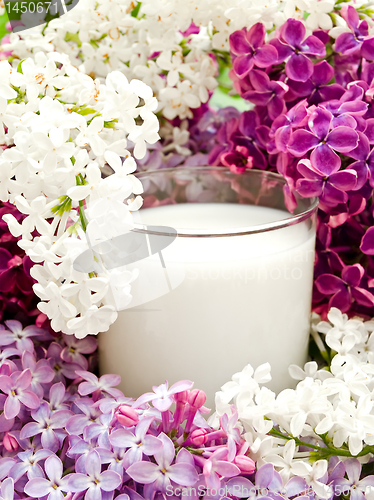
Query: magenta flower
(49, 425)
(332, 189)
(138, 443)
(323, 142)
(317, 88)
(295, 49)
(238, 160)
(250, 51)
(346, 289)
(51, 488)
(161, 474)
(95, 483)
(162, 397)
(267, 93)
(359, 39)
(16, 387)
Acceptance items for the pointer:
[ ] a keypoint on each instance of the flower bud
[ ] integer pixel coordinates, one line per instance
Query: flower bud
(245, 464)
(10, 443)
(127, 416)
(198, 437)
(197, 398)
(181, 397)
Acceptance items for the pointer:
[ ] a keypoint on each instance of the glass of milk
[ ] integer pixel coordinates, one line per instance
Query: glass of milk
(231, 285)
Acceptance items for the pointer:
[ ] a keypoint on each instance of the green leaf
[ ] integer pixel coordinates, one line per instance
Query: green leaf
(19, 67)
(135, 11)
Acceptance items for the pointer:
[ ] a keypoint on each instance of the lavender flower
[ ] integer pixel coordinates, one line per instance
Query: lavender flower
(160, 475)
(16, 387)
(95, 483)
(53, 487)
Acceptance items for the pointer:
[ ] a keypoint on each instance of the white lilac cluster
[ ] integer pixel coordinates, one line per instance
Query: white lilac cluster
(153, 41)
(59, 128)
(329, 413)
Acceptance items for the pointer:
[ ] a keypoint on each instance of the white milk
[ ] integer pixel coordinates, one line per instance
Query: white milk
(244, 299)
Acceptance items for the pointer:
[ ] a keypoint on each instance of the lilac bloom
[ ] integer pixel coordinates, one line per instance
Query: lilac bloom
(267, 93)
(109, 405)
(161, 474)
(364, 165)
(353, 485)
(7, 489)
(41, 372)
(269, 479)
(49, 425)
(349, 110)
(367, 242)
(247, 135)
(359, 39)
(16, 386)
(237, 160)
(323, 142)
(58, 397)
(232, 432)
(249, 49)
(346, 289)
(7, 353)
(115, 459)
(75, 349)
(61, 368)
(103, 384)
(99, 430)
(52, 487)
(162, 397)
(332, 189)
(78, 450)
(217, 466)
(281, 128)
(295, 49)
(317, 88)
(139, 442)
(224, 144)
(89, 415)
(28, 464)
(19, 335)
(95, 483)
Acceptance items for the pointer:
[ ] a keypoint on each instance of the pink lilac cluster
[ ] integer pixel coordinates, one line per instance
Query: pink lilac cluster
(67, 433)
(313, 122)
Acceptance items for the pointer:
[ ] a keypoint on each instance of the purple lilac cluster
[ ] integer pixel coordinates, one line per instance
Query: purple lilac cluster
(67, 433)
(313, 122)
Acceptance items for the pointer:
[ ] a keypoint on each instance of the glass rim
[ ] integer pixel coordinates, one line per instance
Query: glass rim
(240, 231)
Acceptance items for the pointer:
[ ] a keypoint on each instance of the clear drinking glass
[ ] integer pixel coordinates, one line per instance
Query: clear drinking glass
(232, 285)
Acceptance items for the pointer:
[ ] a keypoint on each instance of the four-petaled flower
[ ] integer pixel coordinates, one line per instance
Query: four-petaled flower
(95, 483)
(16, 387)
(52, 488)
(160, 475)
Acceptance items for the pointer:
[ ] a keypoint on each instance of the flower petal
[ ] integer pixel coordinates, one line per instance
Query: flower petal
(301, 142)
(299, 67)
